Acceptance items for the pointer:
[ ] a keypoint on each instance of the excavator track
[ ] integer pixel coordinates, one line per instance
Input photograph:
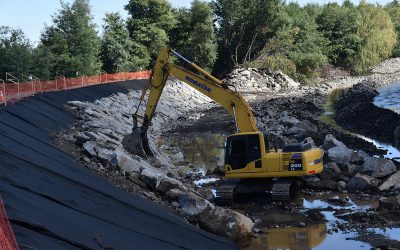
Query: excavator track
(224, 195)
(283, 190)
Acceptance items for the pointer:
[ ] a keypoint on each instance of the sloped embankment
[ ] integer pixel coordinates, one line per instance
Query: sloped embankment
(55, 203)
(355, 111)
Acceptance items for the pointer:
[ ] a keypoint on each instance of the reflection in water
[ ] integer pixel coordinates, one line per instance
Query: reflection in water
(204, 150)
(290, 238)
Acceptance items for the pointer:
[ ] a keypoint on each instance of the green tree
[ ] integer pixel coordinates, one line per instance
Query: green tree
(244, 28)
(194, 34)
(339, 25)
(149, 24)
(378, 37)
(15, 52)
(73, 41)
(298, 47)
(393, 9)
(118, 52)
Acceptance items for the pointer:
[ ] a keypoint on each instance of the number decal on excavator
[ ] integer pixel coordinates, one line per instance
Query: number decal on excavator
(295, 165)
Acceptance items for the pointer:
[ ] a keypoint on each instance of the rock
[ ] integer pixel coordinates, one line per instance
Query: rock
(178, 157)
(313, 182)
(288, 120)
(175, 204)
(340, 154)
(81, 138)
(393, 180)
(351, 168)
(307, 126)
(89, 148)
(361, 182)
(329, 184)
(206, 193)
(379, 167)
(309, 140)
(168, 183)
(342, 186)
(363, 155)
(152, 177)
(331, 171)
(191, 204)
(226, 222)
(389, 203)
(103, 154)
(128, 163)
(330, 142)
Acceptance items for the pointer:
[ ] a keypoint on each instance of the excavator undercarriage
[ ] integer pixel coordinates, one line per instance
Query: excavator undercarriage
(230, 191)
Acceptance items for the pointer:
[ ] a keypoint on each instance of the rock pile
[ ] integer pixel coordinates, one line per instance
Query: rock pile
(260, 80)
(105, 122)
(348, 170)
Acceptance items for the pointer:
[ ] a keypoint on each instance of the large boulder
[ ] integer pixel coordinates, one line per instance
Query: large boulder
(331, 171)
(330, 142)
(341, 154)
(226, 222)
(361, 182)
(191, 204)
(152, 177)
(337, 151)
(378, 167)
(351, 168)
(392, 181)
(168, 183)
(128, 163)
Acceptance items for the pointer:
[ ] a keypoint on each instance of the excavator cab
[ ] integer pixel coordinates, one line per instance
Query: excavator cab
(242, 149)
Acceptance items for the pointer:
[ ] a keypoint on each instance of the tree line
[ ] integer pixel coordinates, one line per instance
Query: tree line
(218, 35)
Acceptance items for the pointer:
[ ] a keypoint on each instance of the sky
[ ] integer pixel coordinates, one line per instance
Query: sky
(32, 15)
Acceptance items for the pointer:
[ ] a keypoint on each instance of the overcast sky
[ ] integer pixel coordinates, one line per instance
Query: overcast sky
(31, 15)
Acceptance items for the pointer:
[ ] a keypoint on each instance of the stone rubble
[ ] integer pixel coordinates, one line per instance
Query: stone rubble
(105, 122)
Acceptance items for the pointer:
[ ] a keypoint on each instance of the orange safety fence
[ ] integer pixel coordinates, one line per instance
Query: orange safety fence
(7, 237)
(12, 92)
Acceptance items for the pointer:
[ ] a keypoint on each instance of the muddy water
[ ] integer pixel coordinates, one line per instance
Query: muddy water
(205, 151)
(389, 97)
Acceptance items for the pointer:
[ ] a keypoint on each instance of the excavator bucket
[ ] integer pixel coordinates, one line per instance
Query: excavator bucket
(137, 142)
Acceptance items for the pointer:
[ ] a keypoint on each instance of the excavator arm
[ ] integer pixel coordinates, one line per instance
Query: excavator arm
(208, 85)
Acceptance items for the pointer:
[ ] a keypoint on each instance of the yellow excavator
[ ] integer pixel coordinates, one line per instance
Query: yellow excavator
(250, 163)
